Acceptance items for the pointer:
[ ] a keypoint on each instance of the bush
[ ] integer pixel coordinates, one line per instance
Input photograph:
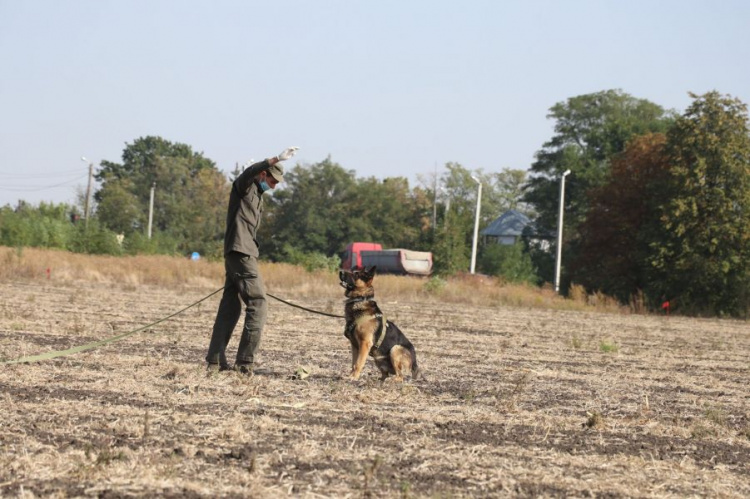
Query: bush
(94, 238)
(435, 285)
(159, 244)
(509, 262)
(310, 261)
(47, 226)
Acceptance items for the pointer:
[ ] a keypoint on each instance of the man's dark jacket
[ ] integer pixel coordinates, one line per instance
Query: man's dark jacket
(243, 215)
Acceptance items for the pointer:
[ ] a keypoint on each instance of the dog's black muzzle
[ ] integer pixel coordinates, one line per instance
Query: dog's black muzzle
(347, 280)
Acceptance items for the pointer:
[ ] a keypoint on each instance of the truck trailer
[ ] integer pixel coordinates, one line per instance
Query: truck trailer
(388, 261)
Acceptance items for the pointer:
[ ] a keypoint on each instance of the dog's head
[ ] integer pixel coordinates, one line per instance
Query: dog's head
(357, 282)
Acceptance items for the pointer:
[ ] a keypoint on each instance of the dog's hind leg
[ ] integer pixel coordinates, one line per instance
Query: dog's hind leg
(401, 360)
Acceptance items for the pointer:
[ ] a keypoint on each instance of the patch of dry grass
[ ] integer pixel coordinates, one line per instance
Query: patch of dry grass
(132, 271)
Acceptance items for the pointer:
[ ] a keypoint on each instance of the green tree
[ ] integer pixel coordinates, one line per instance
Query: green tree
(452, 245)
(701, 259)
(450, 252)
(501, 191)
(119, 207)
(390, 213)
(612, 255)
(323, 207)
(506, 189)
(190, 193)
(310, 211)
(590, 130)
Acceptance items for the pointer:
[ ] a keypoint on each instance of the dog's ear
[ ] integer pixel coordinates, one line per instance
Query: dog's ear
(369, 274)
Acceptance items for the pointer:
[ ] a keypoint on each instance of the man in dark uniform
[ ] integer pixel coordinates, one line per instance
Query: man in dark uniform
(243, 283)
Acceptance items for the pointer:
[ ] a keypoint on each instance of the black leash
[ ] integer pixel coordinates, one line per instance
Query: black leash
(305, 308)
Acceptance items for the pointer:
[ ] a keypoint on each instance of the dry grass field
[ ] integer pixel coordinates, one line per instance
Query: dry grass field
(543, 398)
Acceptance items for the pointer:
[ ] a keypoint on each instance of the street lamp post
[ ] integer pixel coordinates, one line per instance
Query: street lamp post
(88, 190)
(560, 210)
(476, 225)
(447, 205)
(151, 208)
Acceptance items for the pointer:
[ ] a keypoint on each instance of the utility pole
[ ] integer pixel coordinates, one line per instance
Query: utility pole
(434, 200)
(151, 209)
(88, 190)
(560, 210)
(447, 206)
(476, 225)
(447, 210)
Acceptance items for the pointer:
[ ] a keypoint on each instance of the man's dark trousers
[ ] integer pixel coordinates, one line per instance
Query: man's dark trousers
(243, 285)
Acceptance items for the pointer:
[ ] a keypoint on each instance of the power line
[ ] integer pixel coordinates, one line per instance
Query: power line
(41, 188)
(16, 175)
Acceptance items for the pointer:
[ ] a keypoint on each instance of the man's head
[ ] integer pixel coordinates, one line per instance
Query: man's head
(277, 172)
(272, 176)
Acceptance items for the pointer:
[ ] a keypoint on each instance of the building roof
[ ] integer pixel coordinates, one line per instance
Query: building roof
(510, 223)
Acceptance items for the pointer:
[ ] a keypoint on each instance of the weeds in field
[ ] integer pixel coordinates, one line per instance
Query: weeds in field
(700, 431)
(146, 426)
(576, 342)
(468, 395)
(434, 285)
(608, 347)
(518, 387)
(638, 303)
(577, 293)
(716, 415)
(78, 326)
(594, 420)
(645, 406)
(405, 487)
(106, 456)
(370, 475)
(8, 259)
(717, 345)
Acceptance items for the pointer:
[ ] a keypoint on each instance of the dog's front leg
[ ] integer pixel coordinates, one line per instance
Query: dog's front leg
(359, 364)
(355, 354)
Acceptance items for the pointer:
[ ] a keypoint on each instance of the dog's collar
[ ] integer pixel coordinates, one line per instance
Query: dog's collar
(357, 300)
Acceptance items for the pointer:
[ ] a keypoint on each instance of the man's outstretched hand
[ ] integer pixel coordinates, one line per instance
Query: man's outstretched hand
(287, 153)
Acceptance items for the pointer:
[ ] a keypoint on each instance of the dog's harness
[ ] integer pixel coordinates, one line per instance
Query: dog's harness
(379, 334)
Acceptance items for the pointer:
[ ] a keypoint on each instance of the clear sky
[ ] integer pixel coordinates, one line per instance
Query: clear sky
(386, 87)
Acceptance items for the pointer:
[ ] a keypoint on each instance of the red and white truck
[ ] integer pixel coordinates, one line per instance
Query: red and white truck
(388, 261)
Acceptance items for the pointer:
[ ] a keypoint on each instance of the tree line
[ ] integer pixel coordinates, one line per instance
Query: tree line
(656, 207)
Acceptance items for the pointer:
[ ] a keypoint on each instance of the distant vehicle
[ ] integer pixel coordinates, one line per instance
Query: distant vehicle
(388, 261)
(353, 255)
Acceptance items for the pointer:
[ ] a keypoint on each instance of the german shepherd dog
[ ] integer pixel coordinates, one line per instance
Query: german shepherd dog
(369, 332)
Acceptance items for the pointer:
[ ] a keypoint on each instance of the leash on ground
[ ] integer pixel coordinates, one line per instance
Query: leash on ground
(96, 344)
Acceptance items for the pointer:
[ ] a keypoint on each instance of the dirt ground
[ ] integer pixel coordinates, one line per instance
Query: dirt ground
(516, 402)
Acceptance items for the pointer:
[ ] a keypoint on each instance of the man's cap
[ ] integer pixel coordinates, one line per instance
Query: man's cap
(277, 172)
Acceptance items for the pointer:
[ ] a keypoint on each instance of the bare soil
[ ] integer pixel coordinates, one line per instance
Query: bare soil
(515, 402)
